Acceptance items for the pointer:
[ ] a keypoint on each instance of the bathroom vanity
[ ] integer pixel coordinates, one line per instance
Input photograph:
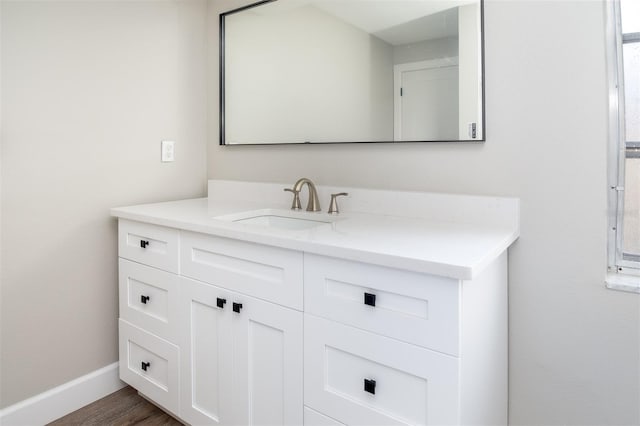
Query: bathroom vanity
(236, 310)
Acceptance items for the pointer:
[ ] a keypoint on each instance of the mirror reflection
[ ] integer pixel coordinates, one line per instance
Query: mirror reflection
(330, 71)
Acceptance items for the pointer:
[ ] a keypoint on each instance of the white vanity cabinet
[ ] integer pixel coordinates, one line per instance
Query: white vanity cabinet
(220, 330)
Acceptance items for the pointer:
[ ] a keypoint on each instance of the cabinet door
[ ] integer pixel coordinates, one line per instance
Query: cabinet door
(267, 367)
(205, 396)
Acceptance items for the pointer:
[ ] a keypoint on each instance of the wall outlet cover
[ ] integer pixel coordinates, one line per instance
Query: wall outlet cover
(168, 151)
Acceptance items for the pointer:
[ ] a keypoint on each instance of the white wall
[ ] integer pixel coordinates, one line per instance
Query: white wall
(439, 48)
(267, 99)
(574, 346)
(89, 89)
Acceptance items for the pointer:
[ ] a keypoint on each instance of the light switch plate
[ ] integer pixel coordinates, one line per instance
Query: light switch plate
(168, 151)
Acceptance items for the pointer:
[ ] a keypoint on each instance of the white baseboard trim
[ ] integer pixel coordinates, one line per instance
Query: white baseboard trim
(64, 399)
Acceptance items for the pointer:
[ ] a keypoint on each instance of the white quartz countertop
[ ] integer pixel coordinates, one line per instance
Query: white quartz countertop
(446, 246)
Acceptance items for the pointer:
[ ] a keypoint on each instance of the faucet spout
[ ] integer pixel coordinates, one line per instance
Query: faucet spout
(313, 205)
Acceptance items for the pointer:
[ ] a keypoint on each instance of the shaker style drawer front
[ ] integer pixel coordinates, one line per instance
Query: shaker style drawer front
(415, 308)
(265, 272)
(149, 298)
(360, 378)
(152, 245)
(313, 418)
(150, 365)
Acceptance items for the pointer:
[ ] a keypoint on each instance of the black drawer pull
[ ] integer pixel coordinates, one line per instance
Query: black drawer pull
(370, 299)
(144, 243)
(237, 307)
(144, 299)
(370, 386)
(145, 365)
(220, 302)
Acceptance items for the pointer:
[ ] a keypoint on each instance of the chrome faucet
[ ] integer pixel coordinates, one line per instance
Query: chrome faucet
(314, 204)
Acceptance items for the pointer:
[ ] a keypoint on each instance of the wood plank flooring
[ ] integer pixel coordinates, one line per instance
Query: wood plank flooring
(124, 407)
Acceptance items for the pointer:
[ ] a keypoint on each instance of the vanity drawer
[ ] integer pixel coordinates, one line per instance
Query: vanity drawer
(265, 272)
(149, 298)
(313, 418)
(152, 245)
(416, 308)
(360, 378)
(150, 365)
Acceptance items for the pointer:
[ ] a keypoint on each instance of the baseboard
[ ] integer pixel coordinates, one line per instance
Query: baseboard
(64, 399)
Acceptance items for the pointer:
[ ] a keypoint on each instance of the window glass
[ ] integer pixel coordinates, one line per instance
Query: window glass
(631, 59)
(631, 221)
(627, 224)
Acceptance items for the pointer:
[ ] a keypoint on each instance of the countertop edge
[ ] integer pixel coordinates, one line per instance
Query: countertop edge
(459, 272)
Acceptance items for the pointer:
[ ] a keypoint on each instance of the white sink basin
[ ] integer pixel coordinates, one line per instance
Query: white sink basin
(281, 222)
(280, 219)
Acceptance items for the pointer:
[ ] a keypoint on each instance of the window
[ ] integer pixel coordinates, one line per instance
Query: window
(624, 156)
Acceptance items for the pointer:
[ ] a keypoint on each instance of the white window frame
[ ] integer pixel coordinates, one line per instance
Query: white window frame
(623, 270)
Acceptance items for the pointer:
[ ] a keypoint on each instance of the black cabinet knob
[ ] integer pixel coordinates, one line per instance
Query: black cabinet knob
(237, 307)
(220, 302)
(145, 365)
(370, 386)
(370, 299)
(144, 299)
(144, 243)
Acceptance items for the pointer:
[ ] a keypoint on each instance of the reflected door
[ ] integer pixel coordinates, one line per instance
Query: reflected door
(426, 102)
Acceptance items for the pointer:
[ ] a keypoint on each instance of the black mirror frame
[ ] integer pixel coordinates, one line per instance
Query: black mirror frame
(222, 89)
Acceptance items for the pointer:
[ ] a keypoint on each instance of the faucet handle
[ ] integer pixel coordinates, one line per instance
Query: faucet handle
(333, 205)
(295, 205)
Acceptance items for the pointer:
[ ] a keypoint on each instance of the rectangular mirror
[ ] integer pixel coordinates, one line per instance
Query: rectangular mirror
(336, 71)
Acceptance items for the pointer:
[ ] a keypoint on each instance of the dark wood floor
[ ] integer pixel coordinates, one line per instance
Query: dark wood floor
(124, 407)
